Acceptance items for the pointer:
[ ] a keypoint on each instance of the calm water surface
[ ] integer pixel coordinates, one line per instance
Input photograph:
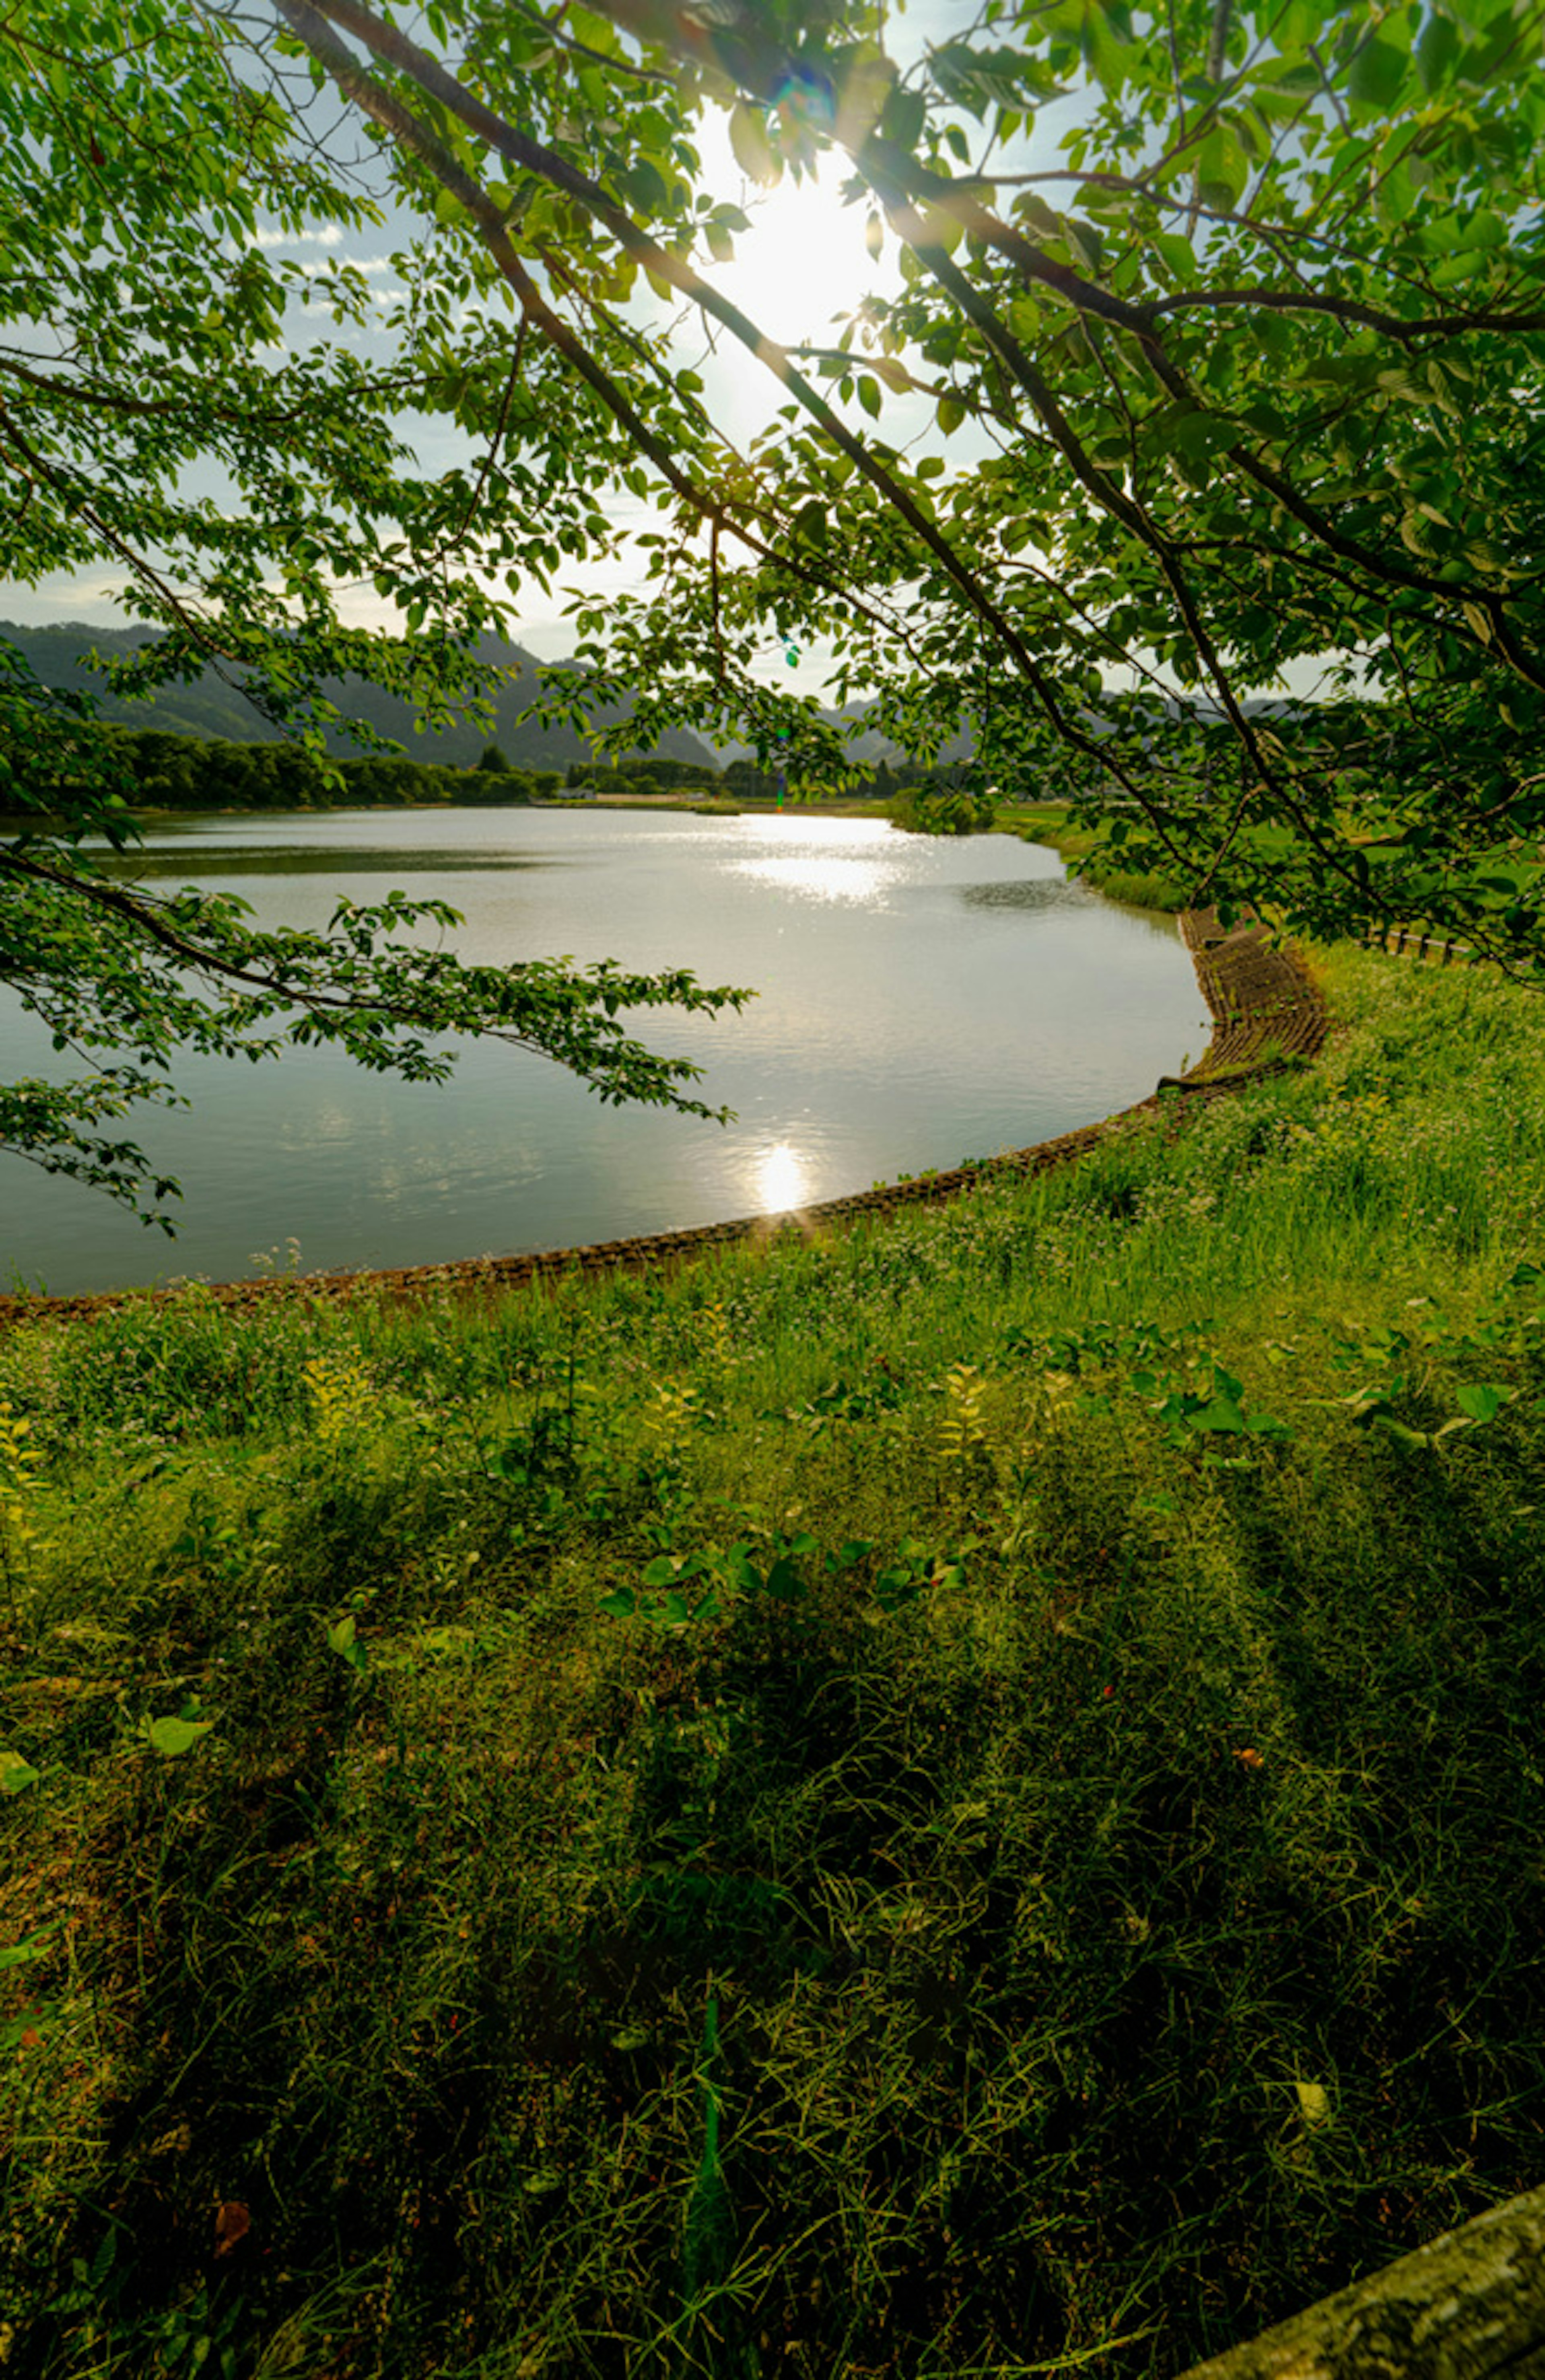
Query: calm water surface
(921, 1002)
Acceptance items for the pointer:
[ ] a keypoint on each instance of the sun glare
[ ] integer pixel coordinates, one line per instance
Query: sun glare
(804, 259)
(802, 262)
(822, 859)
(781, 1182)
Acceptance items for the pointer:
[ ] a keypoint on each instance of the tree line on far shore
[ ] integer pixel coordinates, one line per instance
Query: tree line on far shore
(186, 773)
(166, 771)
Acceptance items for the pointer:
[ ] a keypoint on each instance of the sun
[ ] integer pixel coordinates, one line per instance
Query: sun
(798, 272)
(804, 260)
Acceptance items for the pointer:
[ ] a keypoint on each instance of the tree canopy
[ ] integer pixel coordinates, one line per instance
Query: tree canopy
(1238, 375)
(143, 363)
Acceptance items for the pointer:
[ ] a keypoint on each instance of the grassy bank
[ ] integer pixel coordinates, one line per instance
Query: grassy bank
(964, 1801)
(1047, 823)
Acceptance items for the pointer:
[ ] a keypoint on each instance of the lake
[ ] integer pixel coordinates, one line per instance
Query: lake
(921, 1001)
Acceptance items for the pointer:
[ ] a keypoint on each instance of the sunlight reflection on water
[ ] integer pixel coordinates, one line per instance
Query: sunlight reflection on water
(916, 1001)
(814, 858)
(822, 880)
(780, 1179)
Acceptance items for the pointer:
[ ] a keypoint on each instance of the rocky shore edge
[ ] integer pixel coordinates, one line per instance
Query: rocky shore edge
(1267, 1015)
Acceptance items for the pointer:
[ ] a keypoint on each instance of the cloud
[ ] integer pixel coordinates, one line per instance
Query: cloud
(326, 236)
(319, 309)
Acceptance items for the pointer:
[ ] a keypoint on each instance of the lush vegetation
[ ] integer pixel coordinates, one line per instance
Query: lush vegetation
(963, 1801)
(653, 775)
(165, 771)
(1244, 377)
(186, 772)
(960, 1799)
(931, 807)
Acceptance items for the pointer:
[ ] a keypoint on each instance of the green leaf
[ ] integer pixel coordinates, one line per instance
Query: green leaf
(171, 1737)
(1485, 229)
(342, 1637)
(783, 1581)
(1398, 1430)
(620, 1605)
(810, 523)
(1301, 22)
(645, 187)
(1314, 2104)
(1222, 1414)
(21, 1954)
(753, 150)
(1483, 1400)
(1377, 73)
(951, 413)
(1200, 435)
(17, 1774)
(1223, 168)
(1177, 253)
(902, 116)
(1109, 59)
(1438, 51)
(1041, 220)
(868, 395)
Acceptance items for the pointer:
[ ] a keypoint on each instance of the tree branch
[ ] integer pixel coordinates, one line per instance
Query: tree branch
(521, 149)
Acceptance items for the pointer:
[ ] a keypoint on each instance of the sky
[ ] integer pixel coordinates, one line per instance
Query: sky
(802, 266)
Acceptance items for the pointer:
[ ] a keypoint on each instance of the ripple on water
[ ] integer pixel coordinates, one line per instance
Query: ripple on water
(1041, 892)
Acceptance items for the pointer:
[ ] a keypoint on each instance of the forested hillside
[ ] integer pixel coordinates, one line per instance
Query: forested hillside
(213, 704)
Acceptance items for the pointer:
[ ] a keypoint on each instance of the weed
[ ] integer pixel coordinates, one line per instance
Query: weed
(21, 1460)
(341, 1397)
(963, 1432)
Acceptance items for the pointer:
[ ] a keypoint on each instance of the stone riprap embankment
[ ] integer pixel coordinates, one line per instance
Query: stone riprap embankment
(1267, 1012)
(1264, 1004)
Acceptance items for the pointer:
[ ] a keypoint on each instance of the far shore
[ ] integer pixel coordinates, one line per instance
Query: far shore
(713, 805)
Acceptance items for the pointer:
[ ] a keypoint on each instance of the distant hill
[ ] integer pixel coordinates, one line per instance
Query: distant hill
(870, 744)
(209, 707)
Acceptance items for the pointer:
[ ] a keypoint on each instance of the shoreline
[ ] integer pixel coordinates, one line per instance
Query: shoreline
(1263, 1000)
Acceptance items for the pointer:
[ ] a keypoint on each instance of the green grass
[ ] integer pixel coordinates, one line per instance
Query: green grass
(1058, 1889)
(1047, 823)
